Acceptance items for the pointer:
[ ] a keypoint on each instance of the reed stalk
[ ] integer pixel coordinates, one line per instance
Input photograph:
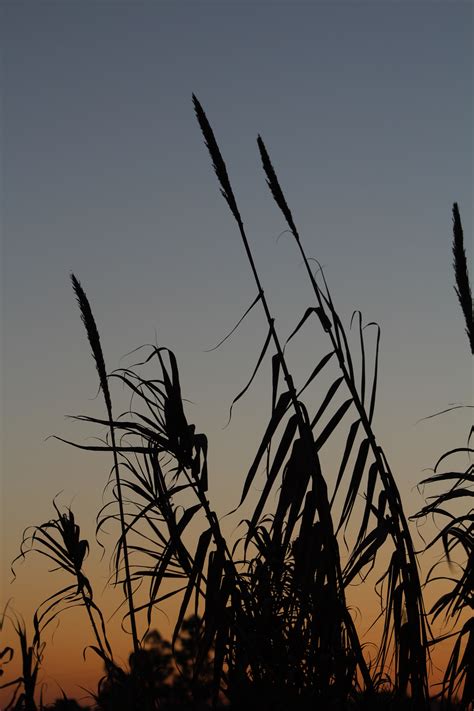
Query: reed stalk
(333, 571)
(94, 341)
(457, 530)
(401, 535)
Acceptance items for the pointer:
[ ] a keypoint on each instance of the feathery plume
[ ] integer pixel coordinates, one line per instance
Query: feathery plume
(274, 185)
(462, 287)
(94, 338)
(217, 159)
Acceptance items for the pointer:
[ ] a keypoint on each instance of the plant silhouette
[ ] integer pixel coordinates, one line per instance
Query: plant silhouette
(263, 622)
(457, 530)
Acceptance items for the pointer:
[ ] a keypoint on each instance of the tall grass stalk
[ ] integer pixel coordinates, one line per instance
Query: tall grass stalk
(415, 655)
(456, 533)
(94, 341)
(339, 613)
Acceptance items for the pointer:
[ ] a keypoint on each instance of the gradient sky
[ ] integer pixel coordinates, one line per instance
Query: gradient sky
(366, 109)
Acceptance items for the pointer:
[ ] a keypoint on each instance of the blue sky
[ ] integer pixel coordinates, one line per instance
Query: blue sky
(366, 109)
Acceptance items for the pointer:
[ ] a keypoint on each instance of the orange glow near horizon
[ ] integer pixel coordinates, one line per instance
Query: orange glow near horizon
(70, 666)
(67, 643)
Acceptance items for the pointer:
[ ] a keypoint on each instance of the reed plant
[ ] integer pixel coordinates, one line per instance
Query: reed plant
(272, 625)
(455, 530)
(25, 685)
(94, 341)
(403, 609)
(59, 540)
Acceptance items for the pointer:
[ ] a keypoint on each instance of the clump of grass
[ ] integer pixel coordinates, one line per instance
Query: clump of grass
(457, 537)
(336, 639)
(274, 605)
(23, 697)
(403, 591)
(59, 540)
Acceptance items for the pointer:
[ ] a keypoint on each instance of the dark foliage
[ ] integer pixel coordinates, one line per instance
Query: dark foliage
(264, 624)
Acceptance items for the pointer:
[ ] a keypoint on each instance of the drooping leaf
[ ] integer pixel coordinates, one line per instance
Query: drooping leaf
(277, 415)
(354, 484)
(254, 302)
(260, 358)
(196, 572)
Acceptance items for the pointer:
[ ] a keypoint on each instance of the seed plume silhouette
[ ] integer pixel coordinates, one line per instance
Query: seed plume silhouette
(463, 287)
(94, 339)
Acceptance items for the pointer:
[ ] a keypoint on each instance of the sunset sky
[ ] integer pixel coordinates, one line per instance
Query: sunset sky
(366, 110)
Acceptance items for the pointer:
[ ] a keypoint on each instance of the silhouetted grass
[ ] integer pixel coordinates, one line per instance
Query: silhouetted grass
(24, 686)
(457, 531)
(59, 540)
(94, 341)
(276, 630)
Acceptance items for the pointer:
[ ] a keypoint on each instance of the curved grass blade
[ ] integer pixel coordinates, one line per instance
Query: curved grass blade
(196, 572)
(260, 358)
(277, 415)
(254, 302)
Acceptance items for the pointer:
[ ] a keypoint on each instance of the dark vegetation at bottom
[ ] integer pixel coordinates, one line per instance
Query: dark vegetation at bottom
(379, 702)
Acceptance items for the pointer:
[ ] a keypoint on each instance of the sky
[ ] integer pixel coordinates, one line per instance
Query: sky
(366, 110)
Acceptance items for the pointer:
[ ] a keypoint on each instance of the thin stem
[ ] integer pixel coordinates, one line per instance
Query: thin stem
(105, 654)
(128, 581)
